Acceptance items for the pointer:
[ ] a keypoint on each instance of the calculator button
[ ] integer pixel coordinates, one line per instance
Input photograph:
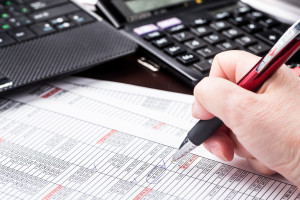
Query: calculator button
(183, 36)
(259, 48)
(213, 38)
(242, 10)
(252, 28)
(220, 25)
(227, 46)
(187, 58)
(268, 22)
(281, 28)
(222, 15)
(200, 21)
(269, 37)
(177, 28)
(245, 40)
(168, 22)
(208, 52)
(141, 30)
(232, 33)
(175, 50)
(203, 66)
(240, 20)
(255, 15)
(162, 42)
(153, 35)
(195, 44)
(201, 31)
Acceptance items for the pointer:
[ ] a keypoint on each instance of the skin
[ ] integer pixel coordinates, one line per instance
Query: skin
(262, 127)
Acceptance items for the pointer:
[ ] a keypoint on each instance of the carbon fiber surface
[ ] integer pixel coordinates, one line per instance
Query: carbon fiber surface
(62, 53)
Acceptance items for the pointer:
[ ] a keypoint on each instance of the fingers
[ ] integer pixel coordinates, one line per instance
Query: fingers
(220, 145)
(232, 65)
(224, 99)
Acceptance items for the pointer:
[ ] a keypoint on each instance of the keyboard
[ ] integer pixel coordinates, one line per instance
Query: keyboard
(189, 44)
(23, 20)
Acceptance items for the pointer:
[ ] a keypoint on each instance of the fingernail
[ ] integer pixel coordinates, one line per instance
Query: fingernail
(214, 150)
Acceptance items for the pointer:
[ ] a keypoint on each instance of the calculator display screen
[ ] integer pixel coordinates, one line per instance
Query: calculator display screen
(134, 10)
(137, 6)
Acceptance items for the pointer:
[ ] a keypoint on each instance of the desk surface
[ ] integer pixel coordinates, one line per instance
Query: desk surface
(127, 70)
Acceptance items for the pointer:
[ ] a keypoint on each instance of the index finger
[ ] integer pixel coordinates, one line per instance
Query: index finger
(232, 65)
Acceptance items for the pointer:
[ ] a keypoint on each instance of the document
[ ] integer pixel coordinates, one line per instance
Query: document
(51, 147)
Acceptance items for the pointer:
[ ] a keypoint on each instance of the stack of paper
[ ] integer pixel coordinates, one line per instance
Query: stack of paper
(85, 139)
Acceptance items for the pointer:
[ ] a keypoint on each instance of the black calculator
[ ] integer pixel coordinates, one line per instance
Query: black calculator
(183, 36)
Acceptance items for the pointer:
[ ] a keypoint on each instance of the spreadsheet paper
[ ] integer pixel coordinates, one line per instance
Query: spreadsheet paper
(56, 143)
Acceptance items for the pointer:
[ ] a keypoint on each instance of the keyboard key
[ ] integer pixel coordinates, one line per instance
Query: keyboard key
(187, 58)
(213, 38)
(246, 40)
(232, 33)
(20, 21)
(208, 52)
(5, 27)
(177, 28)
(201, 31)
(269, 37)
(255, 15)
(227, 46)
(200, 21)
(65, 25)
(153, 35)
(252, 28)
(222, 15)
(259, 48)
(22, 34)
(58, 20)
(162, 42)
(43, 4)
(203, 66)
(42, 28)
(220, 25)
(238, 20)
(81, 18)
(195, 44)
(5, 39)
(183, 36)
(53, 12)
(175, 50)
(268, 22)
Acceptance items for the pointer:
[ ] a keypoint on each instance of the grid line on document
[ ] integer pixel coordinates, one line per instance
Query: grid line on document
(89, 122)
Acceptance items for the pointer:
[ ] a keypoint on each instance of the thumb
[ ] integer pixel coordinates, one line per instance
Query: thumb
(225, 100)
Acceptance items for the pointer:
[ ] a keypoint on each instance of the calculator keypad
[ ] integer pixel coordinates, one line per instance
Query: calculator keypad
(194, 43)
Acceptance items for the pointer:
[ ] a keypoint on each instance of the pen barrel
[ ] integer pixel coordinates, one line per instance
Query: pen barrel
(203, 130)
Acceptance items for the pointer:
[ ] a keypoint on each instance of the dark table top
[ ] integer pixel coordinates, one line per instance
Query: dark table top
(127, 70)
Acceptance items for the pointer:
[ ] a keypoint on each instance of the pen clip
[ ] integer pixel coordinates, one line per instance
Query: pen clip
(291, 34)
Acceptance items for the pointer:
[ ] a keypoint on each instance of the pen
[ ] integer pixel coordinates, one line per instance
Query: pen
(286, 46)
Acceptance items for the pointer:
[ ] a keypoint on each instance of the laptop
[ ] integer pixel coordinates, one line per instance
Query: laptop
(183, 36)
(42, 39)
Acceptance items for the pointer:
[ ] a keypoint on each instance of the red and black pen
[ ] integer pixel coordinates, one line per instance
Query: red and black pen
(286, 46)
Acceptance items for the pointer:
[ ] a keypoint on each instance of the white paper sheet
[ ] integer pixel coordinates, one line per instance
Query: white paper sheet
(52, 149)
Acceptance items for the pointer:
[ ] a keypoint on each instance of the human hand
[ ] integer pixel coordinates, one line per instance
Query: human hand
(262, 127)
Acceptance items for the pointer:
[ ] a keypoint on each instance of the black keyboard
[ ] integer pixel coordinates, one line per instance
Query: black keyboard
(22, 20)
(192, 43)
